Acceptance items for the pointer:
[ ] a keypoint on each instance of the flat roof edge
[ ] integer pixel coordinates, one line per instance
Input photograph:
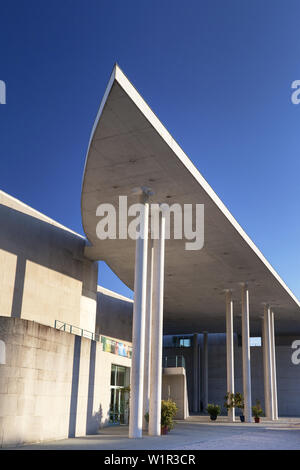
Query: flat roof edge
(119, 76)
(38, 213)
(111, 293)
(132, 92)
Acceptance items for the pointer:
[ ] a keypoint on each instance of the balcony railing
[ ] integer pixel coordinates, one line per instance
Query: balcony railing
(173, 361)
(108, 345)
(75, 330)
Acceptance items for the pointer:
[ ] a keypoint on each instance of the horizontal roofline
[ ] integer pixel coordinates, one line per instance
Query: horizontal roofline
(111, 293)
(44, 217)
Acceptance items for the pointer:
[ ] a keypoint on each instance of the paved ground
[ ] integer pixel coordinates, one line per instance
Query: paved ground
(195, 433)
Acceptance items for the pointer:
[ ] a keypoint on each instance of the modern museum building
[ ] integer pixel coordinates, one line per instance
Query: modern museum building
(75, 356)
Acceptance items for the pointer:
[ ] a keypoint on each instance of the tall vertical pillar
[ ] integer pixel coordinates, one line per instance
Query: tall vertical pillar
(246, 355)
(148, 330)
(157, 331)
(205, 371)
(195, 374)
(268, 364)
(274, 375)
(230, 350)
(199, 376)
(138, 324)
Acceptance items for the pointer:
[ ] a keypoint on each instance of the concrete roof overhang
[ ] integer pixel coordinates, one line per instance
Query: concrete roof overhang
(130, 147)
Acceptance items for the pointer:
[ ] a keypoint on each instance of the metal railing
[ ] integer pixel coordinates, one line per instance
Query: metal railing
(173, 361)
(75, 330)
(108, 345)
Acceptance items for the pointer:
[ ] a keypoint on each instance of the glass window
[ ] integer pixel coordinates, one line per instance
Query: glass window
(113, 375)
(185, 342)
(181, 342)
(120, 376)
(255, 341)
(119, 398)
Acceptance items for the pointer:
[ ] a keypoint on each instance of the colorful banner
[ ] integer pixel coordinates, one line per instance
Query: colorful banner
(115, 347)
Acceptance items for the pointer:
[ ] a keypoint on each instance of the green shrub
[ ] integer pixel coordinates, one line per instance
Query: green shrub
(234, 400)
(239, 400)
(229, 401)
(168, 412)
(213, 410)
(257, 410)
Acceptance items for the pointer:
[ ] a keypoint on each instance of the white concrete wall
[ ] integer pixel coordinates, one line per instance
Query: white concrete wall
(44, 276)
(53, 384)
(187, 353)
(174, 387)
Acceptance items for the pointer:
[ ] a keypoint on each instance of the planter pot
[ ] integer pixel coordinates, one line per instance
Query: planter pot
(164, 430)
(257, 420)
(213, 417)
(242, 418)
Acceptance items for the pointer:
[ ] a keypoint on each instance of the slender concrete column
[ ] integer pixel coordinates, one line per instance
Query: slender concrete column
(205, 370)
(138, 325)
(230, 350)
(268, 366)
(148, 330)
(274, 375)
(195, 373)
(157, 331)
(199, 375)
(246, 355)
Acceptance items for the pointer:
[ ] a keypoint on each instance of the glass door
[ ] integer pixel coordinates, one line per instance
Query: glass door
(118, 395)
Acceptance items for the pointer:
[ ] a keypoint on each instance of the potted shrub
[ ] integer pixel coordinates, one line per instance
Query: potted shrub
(229, 401)
(213, 411)
(239, 403)
(235, 400)
(168, 412)
(257, 411)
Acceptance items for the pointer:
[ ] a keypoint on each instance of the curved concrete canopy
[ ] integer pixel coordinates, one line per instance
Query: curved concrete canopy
(129, 147)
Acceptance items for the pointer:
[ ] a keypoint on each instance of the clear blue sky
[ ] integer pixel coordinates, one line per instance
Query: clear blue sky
(217, 73)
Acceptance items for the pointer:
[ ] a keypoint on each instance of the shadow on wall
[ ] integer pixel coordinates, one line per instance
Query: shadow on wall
(2, 352)
(114, 317)
(75, 386)
(93, 421)
(38, 241)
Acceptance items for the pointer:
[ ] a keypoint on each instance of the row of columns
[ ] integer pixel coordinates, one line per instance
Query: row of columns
(269, 359)
(147, 328)
(147, 336)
